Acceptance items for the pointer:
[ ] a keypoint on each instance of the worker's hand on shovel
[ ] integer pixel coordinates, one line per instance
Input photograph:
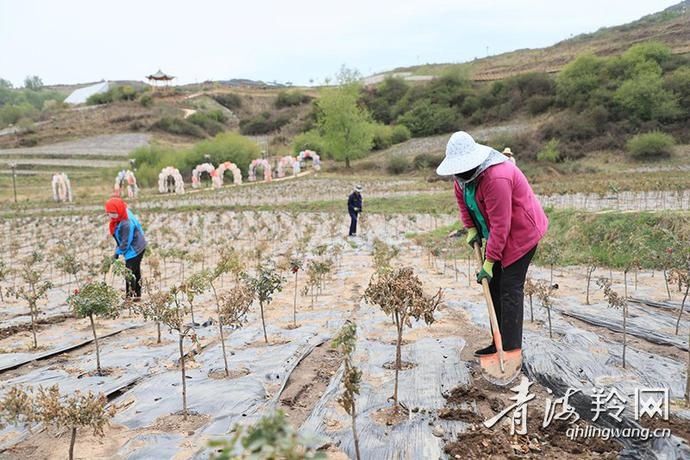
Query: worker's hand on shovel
(473, 237)
(487, 272)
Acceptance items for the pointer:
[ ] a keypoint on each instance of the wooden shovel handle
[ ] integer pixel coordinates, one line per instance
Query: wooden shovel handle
(498, 341)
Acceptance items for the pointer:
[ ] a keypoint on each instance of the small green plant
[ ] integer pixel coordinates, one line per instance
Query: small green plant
(591, 267)
(34, 289)
(544, 292)
(399, 294)
(266, 283)
(346, 341)
(99, 299)
(271, 438)
(50, 408)
(650, 146)
(550, 152)
(616, 301)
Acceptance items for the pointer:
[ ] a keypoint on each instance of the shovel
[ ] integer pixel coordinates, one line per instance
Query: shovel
(502, 367)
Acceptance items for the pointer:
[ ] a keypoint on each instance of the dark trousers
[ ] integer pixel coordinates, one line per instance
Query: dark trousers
(134, 283)
(353, 223)
(507, 293)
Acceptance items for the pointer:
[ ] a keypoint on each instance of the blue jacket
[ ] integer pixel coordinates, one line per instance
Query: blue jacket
(354, 203)
(129, 237)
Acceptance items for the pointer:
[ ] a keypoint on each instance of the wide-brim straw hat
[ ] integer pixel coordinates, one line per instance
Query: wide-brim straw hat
(507, 151)
(358, 188)
(462, 154)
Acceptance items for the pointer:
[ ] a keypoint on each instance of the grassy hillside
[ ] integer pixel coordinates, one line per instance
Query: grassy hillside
(669, 27)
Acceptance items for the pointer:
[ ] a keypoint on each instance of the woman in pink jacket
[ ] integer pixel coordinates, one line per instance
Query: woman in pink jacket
(498, 206)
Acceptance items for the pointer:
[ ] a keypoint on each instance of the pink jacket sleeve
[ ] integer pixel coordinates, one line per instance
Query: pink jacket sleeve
(498, 203)
(464, 213)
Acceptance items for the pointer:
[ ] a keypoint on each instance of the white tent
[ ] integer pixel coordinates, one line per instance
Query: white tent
(80, 95)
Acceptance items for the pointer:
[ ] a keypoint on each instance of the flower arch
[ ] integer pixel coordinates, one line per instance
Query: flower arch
(62, 189)
(256, 163)
(220, 171)
(288, 162)
(170, 180)
(304, 154)
(126, 176)
(202, 168)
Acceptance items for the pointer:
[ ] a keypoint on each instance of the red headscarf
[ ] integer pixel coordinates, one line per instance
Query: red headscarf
(115, 204)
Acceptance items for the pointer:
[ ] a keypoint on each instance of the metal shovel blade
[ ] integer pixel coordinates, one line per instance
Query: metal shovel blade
(494, 373)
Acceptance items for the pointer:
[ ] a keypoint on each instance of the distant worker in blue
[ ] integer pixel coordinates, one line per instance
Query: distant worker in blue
(130, 240)
(354, 208)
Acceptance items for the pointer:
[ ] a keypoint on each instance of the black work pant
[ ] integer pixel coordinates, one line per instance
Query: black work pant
(353, 223)
(134, 282)
(507, 293)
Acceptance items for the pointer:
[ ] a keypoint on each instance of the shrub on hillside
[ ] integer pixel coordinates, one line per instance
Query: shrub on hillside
(228, 100)
(427, 119)
(146, 100)
(539, 104)
(522, 144)
(310, 140)
(644, 97)
(678, 82)
(383, 137)
(117, 93)
(427, 160)
(211, 122)
(226, 146)
(649, 146)
(291, 99)
(263, 123)
(550, 152)
(400, 133)
(397, 164)
(179, 126)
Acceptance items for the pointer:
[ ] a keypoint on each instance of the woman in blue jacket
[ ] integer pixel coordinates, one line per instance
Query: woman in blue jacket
(131, 243)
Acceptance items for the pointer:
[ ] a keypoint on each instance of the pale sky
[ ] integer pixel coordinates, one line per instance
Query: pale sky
(71, 41)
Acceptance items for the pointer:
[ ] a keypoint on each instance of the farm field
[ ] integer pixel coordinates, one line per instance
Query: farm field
(292, 365)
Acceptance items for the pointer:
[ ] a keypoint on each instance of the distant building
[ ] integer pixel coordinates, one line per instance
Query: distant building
(80, 95)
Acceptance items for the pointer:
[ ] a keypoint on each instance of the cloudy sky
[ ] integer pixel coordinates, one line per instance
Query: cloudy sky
(69, 41)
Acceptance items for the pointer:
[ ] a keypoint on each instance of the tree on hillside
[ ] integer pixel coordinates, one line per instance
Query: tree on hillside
(343, 124)
(33, 82)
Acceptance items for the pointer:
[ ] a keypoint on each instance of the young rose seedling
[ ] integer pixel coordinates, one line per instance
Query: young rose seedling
(99, 299)
(591, 267)
(68, 264)
(544, 293)
(169, 310)
(682, 277)
(4, 271)
(50, 408)
(230, 262)
(530, 290)
(234, 307)
(383, 254)
(346, 341)
(617, 302)
(295, 266)
(194, 286)
(399, 294)
(34, 289)
(266, 283)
